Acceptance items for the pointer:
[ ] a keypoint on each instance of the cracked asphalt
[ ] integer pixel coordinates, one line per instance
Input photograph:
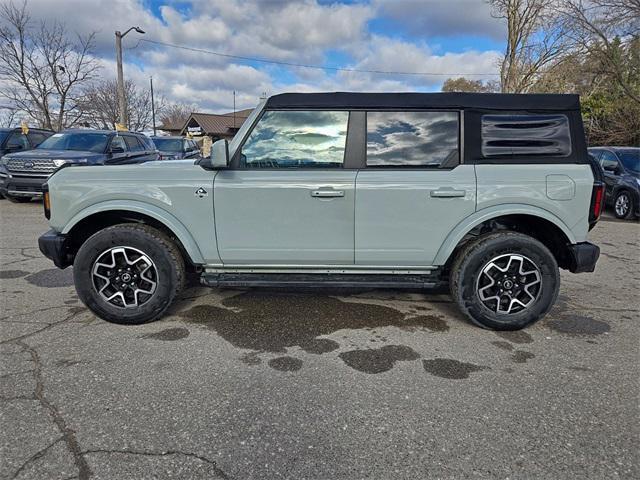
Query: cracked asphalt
(261, 384)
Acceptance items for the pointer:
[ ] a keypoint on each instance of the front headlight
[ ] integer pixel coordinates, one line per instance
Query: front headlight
(59, 162)
(638, 181)
(4, 160)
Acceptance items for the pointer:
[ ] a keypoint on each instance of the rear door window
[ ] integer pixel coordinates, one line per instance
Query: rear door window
(412, 139)
(133, 144)
(517, 135)
(608, 160)
(17, 141)
(297, 139)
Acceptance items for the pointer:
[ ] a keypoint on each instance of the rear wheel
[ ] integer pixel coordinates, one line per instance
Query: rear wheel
(13, 199)
(622, 205)
(128, 273)
(505, 280)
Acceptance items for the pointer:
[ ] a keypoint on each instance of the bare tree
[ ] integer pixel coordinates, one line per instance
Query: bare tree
(607, 30)
(41, 68)
(462, 84)
(99, 105)
(8, 116)
(176, 114)
(536, 39)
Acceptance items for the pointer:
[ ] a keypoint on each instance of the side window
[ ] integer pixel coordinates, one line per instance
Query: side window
(36, 138)
(412, 139)
(118, 142)
(297, 139)
(608, 161)
(133, 145)
(510, 135)
(18, 141)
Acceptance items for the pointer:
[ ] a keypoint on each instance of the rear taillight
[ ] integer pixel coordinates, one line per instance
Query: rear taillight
(597, 203)
(46, 201)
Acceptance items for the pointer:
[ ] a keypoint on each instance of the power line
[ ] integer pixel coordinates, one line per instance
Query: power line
(305, 65)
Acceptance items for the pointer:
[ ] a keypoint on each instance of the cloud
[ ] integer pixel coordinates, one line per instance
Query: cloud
(306, 31)
(446, 18)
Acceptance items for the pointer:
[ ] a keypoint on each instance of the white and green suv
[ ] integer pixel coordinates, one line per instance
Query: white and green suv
(488, 193)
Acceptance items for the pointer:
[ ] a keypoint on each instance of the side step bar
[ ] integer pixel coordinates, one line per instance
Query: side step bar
(306, 280)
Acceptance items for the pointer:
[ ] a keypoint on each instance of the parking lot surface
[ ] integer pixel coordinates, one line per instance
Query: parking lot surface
(243, 384)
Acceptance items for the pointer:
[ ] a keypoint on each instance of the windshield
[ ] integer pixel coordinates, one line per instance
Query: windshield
(168, 144)
(630, 159)
(80, 141)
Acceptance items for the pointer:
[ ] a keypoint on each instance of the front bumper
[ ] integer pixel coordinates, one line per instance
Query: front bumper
(55, 246)
(583, 257)
(21, 184)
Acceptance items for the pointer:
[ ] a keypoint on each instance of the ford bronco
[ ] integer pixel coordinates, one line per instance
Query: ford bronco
(489, 194)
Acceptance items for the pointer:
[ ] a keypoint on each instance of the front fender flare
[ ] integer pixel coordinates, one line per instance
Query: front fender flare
(466, 225)
(157, 213)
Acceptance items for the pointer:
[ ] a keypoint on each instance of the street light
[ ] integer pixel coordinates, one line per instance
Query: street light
(121, 100)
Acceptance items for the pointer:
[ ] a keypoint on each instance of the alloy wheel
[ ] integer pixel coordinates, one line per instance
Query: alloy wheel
(124, 277)
(622, 205)
(509, 283)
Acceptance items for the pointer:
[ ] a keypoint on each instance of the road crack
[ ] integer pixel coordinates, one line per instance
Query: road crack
(68, 434)
(219, 472)
(36, 456)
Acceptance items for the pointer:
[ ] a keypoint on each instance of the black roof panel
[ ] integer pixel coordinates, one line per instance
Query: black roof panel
(490, 101)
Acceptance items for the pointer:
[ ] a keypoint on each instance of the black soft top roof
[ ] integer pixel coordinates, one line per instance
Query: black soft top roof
(489, 101)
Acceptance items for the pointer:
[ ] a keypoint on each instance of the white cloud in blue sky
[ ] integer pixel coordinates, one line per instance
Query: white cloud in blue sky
(439, 36)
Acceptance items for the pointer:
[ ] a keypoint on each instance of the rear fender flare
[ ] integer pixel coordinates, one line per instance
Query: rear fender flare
(464, 227)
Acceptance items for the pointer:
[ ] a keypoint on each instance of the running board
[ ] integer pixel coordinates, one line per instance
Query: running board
(306, 280)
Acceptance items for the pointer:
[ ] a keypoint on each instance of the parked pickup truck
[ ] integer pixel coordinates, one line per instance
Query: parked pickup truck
(490, 194)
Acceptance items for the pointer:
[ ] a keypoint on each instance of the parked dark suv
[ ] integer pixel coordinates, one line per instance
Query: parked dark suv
(621, 167)
(176, 148)
(14, 140)
(22, 174)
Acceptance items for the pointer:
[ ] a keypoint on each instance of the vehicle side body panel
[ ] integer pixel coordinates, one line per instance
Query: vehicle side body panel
(285, 216)
(402, 216)
(561, 190)
(168, 194)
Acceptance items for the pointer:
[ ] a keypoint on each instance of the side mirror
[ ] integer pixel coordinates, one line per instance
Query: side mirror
(219, 158)
(610, 167)
(15, 147)
(117, 149)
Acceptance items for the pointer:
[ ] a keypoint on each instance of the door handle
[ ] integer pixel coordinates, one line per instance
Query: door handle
(327, 193)
(447, 193)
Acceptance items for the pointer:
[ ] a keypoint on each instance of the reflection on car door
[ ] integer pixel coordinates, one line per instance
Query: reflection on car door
(413, 191)
(609, 160)
(288, 200)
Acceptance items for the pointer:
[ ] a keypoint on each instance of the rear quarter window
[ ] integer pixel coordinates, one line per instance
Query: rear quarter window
(517, 135)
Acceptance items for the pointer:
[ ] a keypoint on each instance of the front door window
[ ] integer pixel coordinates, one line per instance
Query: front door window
(297, 139)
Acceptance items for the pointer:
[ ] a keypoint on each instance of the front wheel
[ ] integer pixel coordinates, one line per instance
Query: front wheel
(622, 205)
(505, 280)
(128, 273)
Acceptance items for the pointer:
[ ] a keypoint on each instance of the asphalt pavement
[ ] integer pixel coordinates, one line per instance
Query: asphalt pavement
(254, 384)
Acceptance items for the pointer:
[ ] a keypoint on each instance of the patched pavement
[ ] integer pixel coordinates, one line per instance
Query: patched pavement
(320, 385)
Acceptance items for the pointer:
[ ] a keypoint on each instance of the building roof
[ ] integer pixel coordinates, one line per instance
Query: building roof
(217, 124)
(491, 101)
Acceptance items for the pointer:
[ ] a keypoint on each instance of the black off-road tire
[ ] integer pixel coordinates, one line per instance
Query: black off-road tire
(157, 246)
(629, 202)
(13, 199)
(469, 263)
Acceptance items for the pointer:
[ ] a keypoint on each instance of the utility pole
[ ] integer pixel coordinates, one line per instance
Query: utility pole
(122, 104)
(153, 108)
(234, 109)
